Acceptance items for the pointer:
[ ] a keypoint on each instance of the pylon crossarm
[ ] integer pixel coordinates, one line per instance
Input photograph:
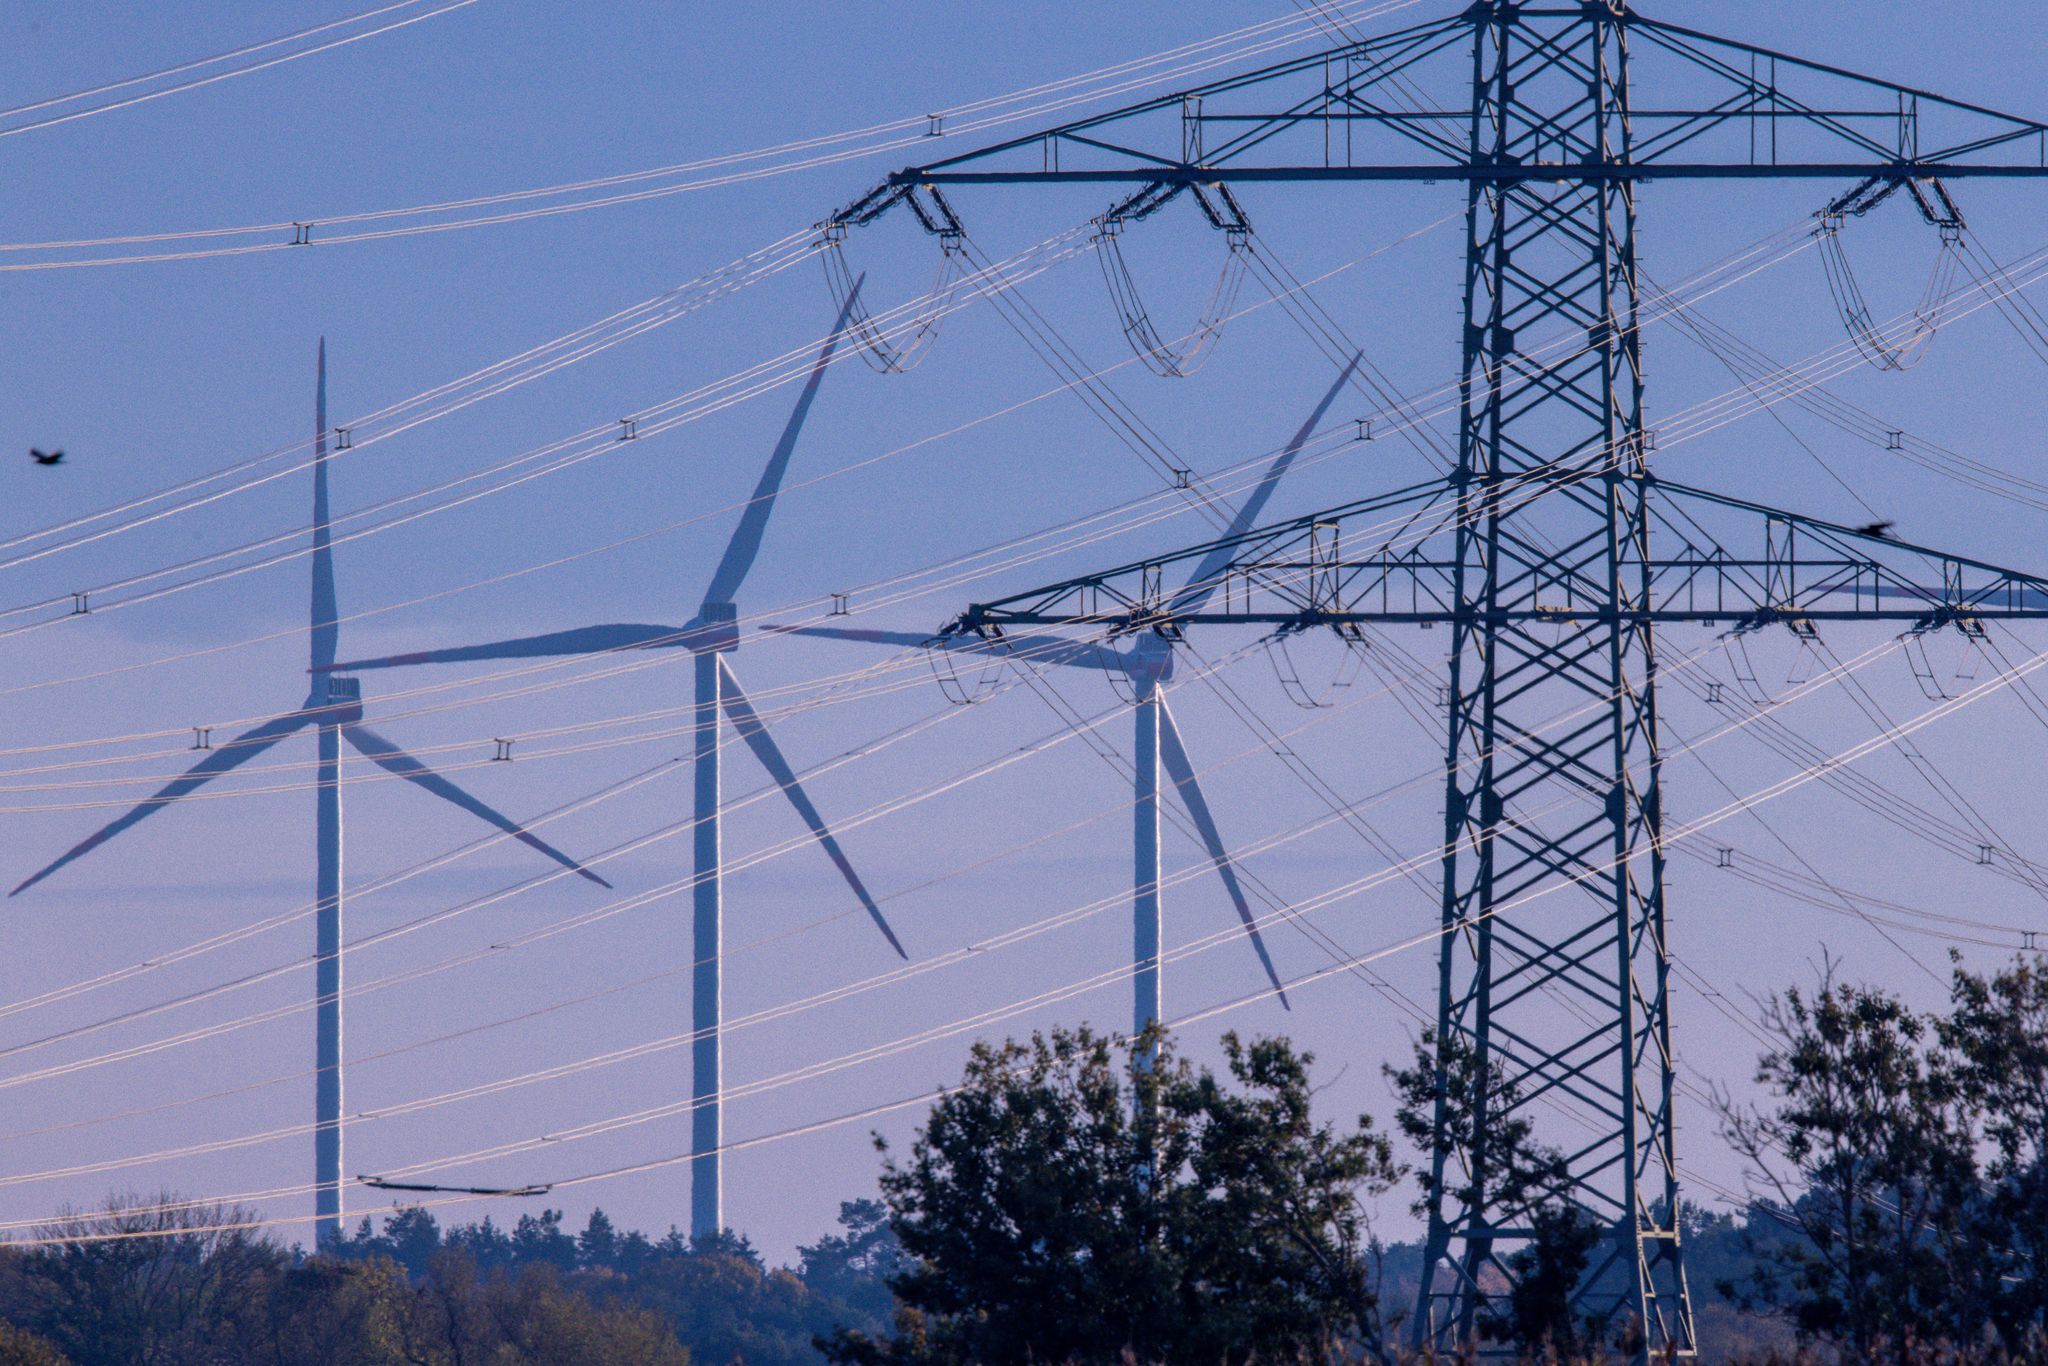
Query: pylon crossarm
(1704, 107)
(1755, 76)
(1861, 572)
(1161, 139)
(1303, 573)
(1131, 596)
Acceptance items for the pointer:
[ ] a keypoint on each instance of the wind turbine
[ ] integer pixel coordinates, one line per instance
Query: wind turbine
(1147, 664)
(710, 635)
(334, 710)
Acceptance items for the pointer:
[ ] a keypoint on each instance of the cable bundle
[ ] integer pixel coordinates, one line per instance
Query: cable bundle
(1878, 345)
(886, 356)
(1166, 359)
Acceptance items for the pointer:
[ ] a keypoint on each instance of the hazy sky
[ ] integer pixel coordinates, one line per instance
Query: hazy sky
(150, 374)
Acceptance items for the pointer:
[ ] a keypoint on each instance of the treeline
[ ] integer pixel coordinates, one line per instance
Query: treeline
(1083, 1199)
(162, 1281)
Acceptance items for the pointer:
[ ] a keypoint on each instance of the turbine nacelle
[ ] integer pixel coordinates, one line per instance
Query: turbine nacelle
(336, 700)
(715, 631)
(1148, 662)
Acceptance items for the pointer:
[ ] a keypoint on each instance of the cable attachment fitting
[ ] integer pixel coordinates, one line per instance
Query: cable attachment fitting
(1182, 356)
(1902, 342)
(897, 341)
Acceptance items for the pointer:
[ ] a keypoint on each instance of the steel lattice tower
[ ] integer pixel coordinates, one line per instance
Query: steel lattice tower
(1539, 556)
(1526, 807)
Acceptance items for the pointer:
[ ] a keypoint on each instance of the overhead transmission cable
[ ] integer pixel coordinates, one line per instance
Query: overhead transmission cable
(1326, 327)
(586, 918)
(608, 429)
(453, 395)
(980, 947)
(785, 158)
(490, 580)
(123, 94)
(1179, 953)
(537, 463)
(1755, 367)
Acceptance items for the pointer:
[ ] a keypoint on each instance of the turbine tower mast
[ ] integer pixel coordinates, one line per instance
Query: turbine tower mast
(710, 635)
(333, 710)
(327, 687)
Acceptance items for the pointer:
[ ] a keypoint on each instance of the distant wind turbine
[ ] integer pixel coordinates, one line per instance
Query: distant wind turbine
(1148, 665)
(334, 709)
(712, 633)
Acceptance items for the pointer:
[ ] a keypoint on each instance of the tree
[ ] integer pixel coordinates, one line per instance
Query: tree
(1868, 1147)
(726, 1304)
(411, 1237)
(19, 1347)
(540, 1241)
(850, 1271)
(149, 1279)
(598, 1246)
(458, 1315)
(536, 1318)
(485, 1243)
(1485, 1155)
(1997, 1035)
(334, 1312)
(1074, 1200)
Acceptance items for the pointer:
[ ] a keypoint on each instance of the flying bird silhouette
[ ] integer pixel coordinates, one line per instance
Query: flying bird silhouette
(45, 457)
(1881, 530)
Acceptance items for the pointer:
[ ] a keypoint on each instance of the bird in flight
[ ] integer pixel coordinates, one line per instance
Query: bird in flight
(45, 457)
(1881, 530)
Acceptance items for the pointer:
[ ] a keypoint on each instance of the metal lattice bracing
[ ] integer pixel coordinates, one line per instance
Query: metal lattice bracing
(1527, 805)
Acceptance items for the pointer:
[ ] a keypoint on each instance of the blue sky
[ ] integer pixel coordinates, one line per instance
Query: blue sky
(152, 373)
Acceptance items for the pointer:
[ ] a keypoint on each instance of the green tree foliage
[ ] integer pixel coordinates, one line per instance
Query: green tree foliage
(19, 1347)
(1996, 1035)
(528, 1316)
(148, 1279)
(715, 1294)
(1907, 1151)
(853, 1268)
(1077, 1200)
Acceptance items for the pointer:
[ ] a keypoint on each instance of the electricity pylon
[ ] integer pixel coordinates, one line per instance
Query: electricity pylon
(334, 709)
(1542, 563)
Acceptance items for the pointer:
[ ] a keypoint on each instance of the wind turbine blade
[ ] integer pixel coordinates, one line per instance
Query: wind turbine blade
(1024, 649)
(1175, 756)
(1202, 582)
(908, 640)
(2020, 596)
(390, 757)
(746, 538)
(326, 624)
(577, 640)
(748, 723)
(235, 752)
